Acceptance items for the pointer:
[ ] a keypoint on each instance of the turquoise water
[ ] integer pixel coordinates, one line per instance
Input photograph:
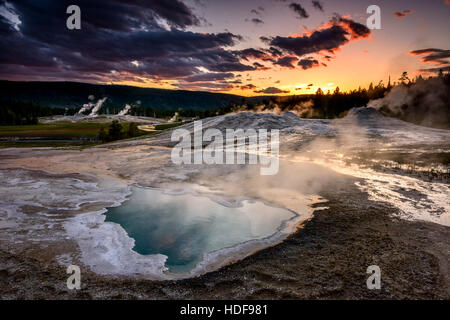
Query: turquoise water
(184, 227)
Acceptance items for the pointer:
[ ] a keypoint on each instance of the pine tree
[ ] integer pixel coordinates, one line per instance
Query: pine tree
(115, 130)
(102, 136)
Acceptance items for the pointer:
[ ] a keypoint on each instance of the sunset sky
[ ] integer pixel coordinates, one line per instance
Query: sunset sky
(242, 47)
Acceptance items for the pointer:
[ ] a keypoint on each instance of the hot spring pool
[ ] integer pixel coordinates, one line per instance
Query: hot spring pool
(184, 227)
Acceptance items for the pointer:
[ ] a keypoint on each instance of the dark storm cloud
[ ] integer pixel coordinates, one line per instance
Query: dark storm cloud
(436, 56)
(258, 11)
(356, 30)
(114, 33)
(327, 39)
(251, 53)
(46, 20)
(308, 63)
(330, 38)
(230, 66)
(318, 5)
(257, 21)
(271, 90)
(287, 62)
(6, 29)
(275, 52)
(433, 55)
(248, 87)
(402, 14)
(259, 66)
(297, 8)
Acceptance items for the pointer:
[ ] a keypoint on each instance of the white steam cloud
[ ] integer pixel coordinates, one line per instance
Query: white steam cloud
(125, 110)
(302, 109)
(97, 107)
(90, 105)
(426, 102)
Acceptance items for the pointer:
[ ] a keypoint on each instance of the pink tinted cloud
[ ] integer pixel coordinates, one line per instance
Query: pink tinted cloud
(404, 13)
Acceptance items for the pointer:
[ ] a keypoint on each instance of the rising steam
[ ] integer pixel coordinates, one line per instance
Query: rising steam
(125, 110)
(97, 107)
(302, 109)
(425, 102)
(88, 106)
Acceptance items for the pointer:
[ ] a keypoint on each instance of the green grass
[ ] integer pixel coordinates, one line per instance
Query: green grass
(64, 130)
(60, 130)
(46, 144)
(167, 125)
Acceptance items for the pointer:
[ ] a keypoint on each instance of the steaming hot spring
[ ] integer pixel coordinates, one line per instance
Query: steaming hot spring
(193, 230)
(124, 209)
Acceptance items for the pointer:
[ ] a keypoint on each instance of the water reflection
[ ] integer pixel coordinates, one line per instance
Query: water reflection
(184, 227)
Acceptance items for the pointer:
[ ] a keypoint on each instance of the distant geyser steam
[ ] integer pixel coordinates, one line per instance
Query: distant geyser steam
(425, 102)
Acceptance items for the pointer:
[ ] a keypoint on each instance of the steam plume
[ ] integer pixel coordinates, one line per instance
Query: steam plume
(97, 107)
(125, 110)
(426, 102)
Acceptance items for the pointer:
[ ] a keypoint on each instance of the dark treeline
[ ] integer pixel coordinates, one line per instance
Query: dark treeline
(117, 131)
(150, 112)
(319, 105)
(25, 113)
(336, 104)
(74, 94)
(421, 101)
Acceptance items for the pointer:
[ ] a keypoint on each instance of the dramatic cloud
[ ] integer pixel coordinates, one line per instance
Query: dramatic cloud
(257, 21)
(436, 56)
(147, 41)
(248, 87)
(335, 34)
(275, 52)
(119, 40)
(308, 63)
(260, 66)
(251, 53)
(258, 11)
(402, 14)
(159, 42)
(287, 62)
(271, 90)
(317, 5)
(297, 8)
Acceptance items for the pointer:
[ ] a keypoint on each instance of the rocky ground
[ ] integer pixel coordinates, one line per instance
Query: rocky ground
(326, 259)
(387, 215)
